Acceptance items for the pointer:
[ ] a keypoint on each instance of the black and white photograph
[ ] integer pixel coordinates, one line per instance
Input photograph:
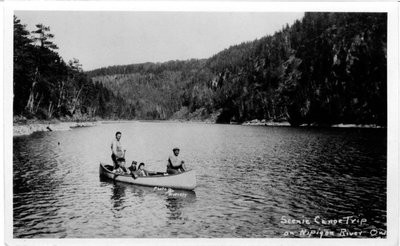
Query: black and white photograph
(224, 120)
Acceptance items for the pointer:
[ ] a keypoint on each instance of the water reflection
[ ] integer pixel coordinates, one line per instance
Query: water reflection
(256, 175)
(118, 195)
(176, 201)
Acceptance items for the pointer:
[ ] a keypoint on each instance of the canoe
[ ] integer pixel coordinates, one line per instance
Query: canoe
(184, 181)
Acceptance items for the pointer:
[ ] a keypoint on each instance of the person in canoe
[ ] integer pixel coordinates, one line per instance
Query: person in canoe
(141, 172)
(133, 167)
(133, 170)
(175, 164)
(118, 153)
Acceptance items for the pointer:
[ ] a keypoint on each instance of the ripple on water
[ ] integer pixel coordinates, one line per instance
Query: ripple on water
(248, 178)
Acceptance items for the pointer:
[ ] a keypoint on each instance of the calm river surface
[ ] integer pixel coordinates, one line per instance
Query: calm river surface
(252, 182)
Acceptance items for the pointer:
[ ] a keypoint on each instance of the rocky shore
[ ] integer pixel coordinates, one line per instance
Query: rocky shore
(29, 128)
(265, 123)
(284, 123)
(356, 126)
(21, 128)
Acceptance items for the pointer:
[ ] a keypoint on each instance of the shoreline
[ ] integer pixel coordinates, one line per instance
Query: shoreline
(31, 126)
(24, 129)
(265, 123)
(287, 124)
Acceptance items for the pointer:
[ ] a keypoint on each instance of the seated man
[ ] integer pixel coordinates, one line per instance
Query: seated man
(175, 164)
(120, 166)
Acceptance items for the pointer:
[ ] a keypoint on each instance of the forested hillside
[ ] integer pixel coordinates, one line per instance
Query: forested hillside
(157, 91)
(47, 87)
(325, 69)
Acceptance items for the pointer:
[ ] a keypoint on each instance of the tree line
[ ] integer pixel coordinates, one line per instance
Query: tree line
(327, 68)
(46, 87)
(324, 69)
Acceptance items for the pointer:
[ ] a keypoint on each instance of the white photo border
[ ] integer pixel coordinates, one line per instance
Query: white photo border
(391, 8)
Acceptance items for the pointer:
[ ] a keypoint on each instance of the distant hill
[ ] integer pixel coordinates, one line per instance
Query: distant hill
(325, 69)
(157, 90)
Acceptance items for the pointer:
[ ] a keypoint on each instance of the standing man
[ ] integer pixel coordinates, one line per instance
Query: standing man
(175, 164)
(118, 153)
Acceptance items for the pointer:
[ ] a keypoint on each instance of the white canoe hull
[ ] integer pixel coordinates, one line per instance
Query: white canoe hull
(184, 181)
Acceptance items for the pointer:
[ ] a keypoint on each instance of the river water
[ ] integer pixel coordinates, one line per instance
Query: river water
(253, 181)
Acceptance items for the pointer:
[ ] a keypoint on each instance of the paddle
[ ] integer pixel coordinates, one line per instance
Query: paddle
(151, 173)
(161, 173)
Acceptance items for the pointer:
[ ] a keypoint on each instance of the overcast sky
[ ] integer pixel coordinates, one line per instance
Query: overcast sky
(100, 39)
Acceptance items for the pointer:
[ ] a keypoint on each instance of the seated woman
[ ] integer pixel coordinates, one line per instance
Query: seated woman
(141, 172)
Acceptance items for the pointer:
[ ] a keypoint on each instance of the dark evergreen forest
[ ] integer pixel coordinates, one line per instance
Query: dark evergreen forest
(325, 69)
(46, 87)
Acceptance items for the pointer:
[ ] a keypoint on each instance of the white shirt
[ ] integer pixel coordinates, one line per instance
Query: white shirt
(116, 148)
(176, 161)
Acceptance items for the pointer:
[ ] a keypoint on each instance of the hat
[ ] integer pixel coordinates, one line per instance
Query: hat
(176, 148)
